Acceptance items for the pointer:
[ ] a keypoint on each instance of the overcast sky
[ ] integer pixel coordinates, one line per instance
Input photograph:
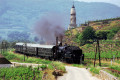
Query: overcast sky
(116, 2)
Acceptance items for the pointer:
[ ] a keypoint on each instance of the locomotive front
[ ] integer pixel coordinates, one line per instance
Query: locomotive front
(70, 54)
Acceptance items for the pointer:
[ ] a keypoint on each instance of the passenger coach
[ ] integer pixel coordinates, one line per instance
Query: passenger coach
(43, 51)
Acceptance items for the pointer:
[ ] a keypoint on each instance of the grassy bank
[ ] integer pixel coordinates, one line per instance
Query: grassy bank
(15, 57)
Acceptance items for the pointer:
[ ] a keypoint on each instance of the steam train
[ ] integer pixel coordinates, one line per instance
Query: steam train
(69, 54)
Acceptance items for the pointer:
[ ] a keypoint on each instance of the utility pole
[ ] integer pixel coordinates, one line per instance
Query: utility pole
(95, 54)
(99, 52)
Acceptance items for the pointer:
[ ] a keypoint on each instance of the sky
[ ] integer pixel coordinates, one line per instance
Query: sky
(116, 2)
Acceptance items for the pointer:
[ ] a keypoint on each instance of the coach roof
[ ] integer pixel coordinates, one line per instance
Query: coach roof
(35, 45)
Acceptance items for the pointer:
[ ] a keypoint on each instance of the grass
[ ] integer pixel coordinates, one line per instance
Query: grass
(95, 70)
(115, 74)
(115, 67)
(118, 61)
(13, 57)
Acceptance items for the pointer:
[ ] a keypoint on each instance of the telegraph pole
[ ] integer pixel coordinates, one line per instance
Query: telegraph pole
(95, 54)
(99, 52)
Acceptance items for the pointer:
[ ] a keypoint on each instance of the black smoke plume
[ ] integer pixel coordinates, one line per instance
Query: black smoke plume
(49, 27)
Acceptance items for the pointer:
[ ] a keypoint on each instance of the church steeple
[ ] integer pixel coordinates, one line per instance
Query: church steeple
(72, 18)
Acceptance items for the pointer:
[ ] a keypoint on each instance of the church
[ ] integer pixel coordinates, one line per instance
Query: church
(72, 18)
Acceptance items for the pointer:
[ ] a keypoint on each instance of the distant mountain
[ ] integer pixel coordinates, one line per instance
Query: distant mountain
(24, 13)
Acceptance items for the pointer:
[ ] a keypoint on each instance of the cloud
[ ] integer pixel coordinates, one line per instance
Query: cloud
(115, 2)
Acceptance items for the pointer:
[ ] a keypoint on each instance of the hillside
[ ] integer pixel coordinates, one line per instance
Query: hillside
(100, 25)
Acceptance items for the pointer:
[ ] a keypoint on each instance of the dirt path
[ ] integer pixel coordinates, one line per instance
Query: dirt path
(25, 64)
(74, 73)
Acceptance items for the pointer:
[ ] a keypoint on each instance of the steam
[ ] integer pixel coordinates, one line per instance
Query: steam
(49, 27)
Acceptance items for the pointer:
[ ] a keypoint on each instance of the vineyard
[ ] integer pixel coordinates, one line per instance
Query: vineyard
(108, 50)
(20, 73)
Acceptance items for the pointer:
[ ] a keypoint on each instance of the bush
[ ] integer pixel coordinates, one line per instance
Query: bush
(88, 33)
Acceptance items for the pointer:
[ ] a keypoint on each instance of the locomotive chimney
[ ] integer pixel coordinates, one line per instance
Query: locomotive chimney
(56, 41)
(61, 40)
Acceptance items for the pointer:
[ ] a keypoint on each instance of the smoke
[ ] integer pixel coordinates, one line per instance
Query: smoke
(49, 27)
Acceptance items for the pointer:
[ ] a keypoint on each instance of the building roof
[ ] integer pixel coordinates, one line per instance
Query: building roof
(3, 60)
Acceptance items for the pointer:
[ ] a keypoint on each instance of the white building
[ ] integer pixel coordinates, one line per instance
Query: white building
(72, 18)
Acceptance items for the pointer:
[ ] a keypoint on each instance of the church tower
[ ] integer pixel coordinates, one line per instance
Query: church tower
(72, 18)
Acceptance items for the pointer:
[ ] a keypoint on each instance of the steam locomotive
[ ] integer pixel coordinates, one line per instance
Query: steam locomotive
(66, 53)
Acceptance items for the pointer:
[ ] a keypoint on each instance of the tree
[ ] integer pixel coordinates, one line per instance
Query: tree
(79, 39)
(102, 35)
(88, 33)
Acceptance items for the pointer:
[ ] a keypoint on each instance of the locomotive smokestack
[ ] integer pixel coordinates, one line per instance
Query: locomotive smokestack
(56, 41)
(61, 37)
